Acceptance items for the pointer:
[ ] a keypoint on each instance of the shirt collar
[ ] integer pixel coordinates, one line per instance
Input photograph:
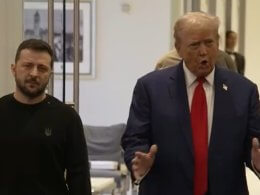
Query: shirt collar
(190, 78)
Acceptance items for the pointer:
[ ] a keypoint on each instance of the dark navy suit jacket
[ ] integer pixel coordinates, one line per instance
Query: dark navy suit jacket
(159, 114)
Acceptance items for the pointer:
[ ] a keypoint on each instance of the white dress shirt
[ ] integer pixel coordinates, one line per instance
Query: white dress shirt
(208, 86)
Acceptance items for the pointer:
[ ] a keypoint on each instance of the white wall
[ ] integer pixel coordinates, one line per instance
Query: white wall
(2, 48)
(252, 41)
(127, 47)
(10, 37)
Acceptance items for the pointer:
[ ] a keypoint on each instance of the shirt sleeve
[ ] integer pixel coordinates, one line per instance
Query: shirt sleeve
(254, 127)
(137, 134)
(254, 169)
(76, 159)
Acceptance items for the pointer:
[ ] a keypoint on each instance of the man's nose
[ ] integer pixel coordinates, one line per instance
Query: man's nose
(34, 71)
(202, 49)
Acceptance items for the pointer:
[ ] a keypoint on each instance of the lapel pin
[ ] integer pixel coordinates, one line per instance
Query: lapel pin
(225, 87)
(48, 132)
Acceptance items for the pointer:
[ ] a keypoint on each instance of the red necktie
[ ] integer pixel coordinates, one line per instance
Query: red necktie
(199, 124)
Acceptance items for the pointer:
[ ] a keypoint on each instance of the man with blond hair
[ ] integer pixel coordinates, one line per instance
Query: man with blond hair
(193, 127)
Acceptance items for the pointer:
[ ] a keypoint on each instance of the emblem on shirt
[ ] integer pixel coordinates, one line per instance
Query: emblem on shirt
(225, 87)
(48, 131)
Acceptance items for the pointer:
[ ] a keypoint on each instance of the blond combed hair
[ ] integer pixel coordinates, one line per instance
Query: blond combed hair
(195, 19)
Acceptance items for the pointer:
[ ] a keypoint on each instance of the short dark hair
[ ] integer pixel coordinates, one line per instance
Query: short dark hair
(36, 45)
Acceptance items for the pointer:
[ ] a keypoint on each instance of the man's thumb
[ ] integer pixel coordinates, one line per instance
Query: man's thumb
(153, 150)
(255, 143)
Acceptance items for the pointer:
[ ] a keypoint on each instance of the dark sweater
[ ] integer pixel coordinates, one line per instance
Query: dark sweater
(37, 144)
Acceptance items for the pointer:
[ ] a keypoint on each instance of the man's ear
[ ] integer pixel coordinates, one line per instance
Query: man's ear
(178, 48)
(51, 73)
(13, 68)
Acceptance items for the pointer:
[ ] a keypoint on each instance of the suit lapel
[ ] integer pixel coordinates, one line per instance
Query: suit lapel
(178, 93)
(223, 105)
(222, 101)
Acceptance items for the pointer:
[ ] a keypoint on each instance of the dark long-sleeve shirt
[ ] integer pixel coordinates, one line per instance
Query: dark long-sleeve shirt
(37, 144)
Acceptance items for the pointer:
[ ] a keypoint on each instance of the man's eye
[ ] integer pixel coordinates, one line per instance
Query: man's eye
(42, 69)
(27, 66)
(194, 45)
(209, 42)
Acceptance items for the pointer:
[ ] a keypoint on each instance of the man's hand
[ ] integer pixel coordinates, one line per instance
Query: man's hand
(143, 162)
(255, 152)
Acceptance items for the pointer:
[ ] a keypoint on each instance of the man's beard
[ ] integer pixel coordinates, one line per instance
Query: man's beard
(31, 93)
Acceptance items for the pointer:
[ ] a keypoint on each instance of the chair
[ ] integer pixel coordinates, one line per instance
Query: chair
(104, 144)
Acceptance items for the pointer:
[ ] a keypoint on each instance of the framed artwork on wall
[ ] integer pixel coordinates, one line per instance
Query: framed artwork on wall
(36, 26)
